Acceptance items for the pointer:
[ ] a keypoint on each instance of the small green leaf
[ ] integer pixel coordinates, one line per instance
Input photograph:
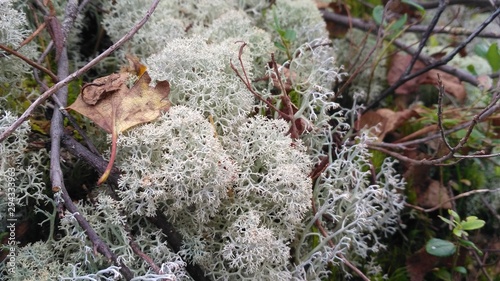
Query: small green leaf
(467, 243)
(472, 223)
(440, 248)
(443, 274)
(396, 26)
(416, 5)
(472, 69)
(493, 57)
(451, 122)
(433, 41)
(447, 221)
(459, 232)
(377, 14)
(481, 49)
(454, 214)
(290, 35)
(460, 269)
(476, 134)
(280, 46)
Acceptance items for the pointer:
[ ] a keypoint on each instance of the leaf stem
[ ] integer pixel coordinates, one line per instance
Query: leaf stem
(114, 139)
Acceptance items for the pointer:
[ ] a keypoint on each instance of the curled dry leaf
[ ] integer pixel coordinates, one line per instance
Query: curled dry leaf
(113, 106)
(108, 98)
(55, 31)
(91, 93)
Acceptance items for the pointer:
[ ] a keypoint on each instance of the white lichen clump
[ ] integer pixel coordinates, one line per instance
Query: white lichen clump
(13, 31)
(176, 165)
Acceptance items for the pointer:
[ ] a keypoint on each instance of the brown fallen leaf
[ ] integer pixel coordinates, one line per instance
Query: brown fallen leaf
(419, 264)
(388, 119)
(452, 84)
(400, 62)
(91, 93)
(422, 132)
(435, 195)
(113, 100)
(113, 106)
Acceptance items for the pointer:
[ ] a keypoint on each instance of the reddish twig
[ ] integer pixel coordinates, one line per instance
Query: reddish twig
(146, 258)
(30, 62)
(247, 81)
(289, 108)
(288, 112)
(33, 35)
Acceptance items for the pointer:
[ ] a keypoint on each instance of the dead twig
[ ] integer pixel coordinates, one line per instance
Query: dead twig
(491, 108)
(435, 64)
(380, 37)
(475, 3)
(30, 62)
(56, 132)
(425, 37)
(417, 28)
(461, 195)
(288, 112)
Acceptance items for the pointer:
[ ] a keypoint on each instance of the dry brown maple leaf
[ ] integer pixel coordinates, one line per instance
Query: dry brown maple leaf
(113, 106)
(108, 98)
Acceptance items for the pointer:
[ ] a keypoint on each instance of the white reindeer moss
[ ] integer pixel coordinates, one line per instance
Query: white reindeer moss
(13, 30)
(176, 165)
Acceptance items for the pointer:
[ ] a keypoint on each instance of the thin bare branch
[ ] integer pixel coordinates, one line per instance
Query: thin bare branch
(437, 64)
(461, 195)
(30, 62)
(440, 112)
(491, 108)
(370, 25)
(56, 132)
(475, 3)
(425, 37)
